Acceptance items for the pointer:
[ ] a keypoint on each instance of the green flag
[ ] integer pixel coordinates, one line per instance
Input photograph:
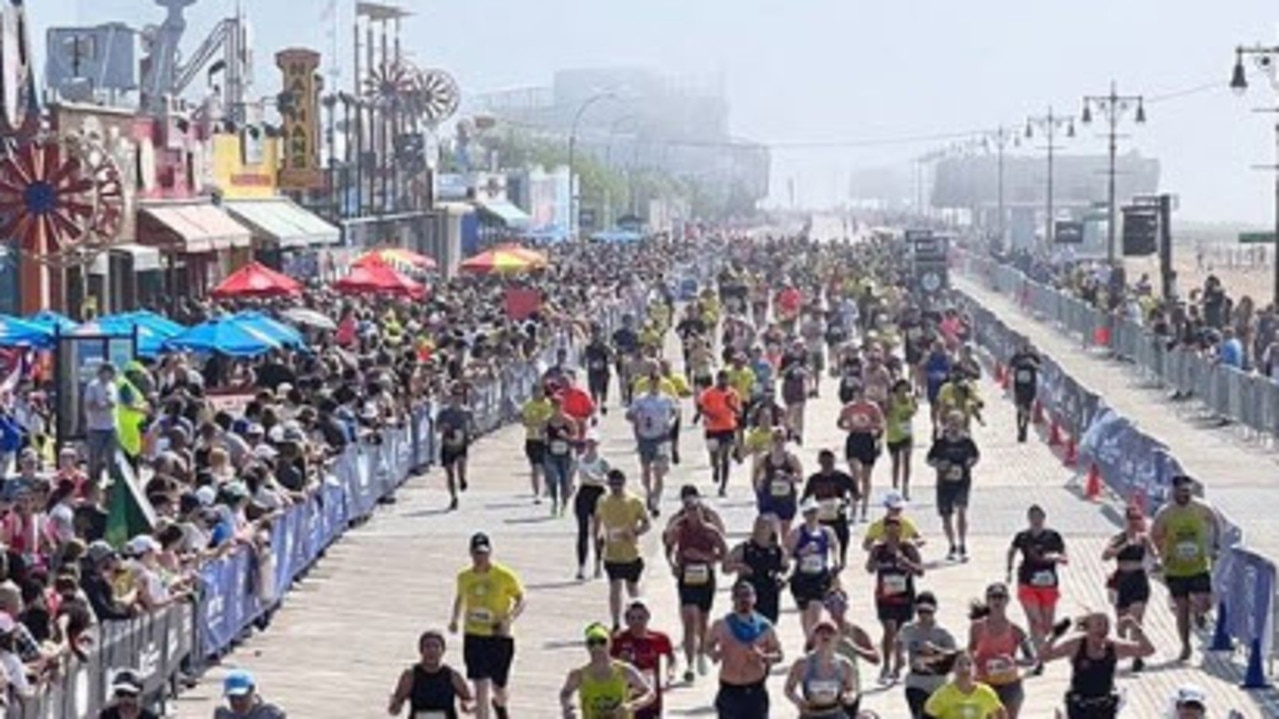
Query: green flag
(128, 512)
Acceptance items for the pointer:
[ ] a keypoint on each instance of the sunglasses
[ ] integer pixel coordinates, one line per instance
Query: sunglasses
(125, 694)
(997, 597)
(596, 642)
(925, 610)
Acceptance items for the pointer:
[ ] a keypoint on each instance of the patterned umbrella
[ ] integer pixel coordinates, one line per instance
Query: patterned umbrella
(397, 257)
(504, 260)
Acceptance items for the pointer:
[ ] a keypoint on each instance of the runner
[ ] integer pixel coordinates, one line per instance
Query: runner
(821, 683)
(894, 510)
(536, 413)
(745, 646)
(964, 697)
(652, 415)
(1129, 585)
(761, 562)
(701, 360)
(937, 369)
(835, 492)
(863, 420)
(492, 599)
(1042, 551)
(1187, 536)
(593, 471)
(1093, 659)
(855, 645)
(721, 406)
(599, 357)
(877, 379)
(457, 428)
(953, 455)
(895, 563)
(645, 649)
(994, 641)
(899, 433)
(626, 344)
(959, 394)
(1191, 702)
(814, 335)
(620, 520)
(1024, 366)
(694, 546)
(606, 687)
(850, 371)
(562, 431)
(796, 374)
(776, 482)
(430, 687)
(930, 649)
(815, 549)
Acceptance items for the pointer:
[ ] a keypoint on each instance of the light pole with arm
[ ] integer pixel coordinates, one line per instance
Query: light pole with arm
(572, 147)
(1266, 58)
(1049, 124)
(1000, 138)
(1114, 106)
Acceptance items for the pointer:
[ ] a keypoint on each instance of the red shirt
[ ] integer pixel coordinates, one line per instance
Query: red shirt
(577, 404)
(645, 654)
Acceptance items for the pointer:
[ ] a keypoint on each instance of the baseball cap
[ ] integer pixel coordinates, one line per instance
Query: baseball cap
(207, 495)
(142, 544)
(926, 601)
(238, 683)
(480, 543)
(1182, 479)
(1191, 694)
(894, 500)
(255, 429)
(597, 632)
(126, 681)
(99, 551)
(809, 505)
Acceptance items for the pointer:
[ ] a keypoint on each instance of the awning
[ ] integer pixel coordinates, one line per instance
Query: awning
(145, 259)
(280, 222)
(199, 228)
(509, 214)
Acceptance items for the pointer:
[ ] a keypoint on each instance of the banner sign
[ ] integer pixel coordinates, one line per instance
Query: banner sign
(1244, 583)
(300, 120)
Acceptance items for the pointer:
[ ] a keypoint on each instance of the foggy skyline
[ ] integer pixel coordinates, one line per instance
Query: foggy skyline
(824, 82)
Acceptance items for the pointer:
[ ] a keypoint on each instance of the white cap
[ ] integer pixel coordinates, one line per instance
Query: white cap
(1191, 694)
(894, 500)
(207, 495)
(142, 544)
(593, 435)
(265, 451)
(809, 505)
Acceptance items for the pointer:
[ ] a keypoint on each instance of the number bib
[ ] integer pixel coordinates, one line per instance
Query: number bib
(953, 473)
(828, 510)
(894, 583)
(1043, 578)
(999, 666)
(780, 488)
(712, 444)
(617, 535)
(559, 446)
(697, 574)
(812, 564)
(1188, 551)
(823, 691)
(1025, 376)
(429, 715)
(479, 615)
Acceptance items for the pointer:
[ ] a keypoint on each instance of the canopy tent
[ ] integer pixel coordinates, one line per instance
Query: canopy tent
(279, 222)
(377, 277)
(282, 333)
(152, 329)
(227, 335)
(257, 280)
(504, 259)
(306, 317)
(52, 321)
(617, 236)
(504, 212)
(15, 332)
(398, 258)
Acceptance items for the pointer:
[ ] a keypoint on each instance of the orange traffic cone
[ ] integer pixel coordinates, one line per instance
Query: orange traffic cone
(1037, 412)
(1092, 485)
(1072, 454)
(1054, 433)
(1101, 337)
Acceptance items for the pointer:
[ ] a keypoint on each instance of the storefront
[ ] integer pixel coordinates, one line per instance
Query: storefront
(198, 241)
(285, 236)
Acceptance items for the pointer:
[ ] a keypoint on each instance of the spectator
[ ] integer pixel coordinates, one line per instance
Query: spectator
(243, 700)
(126, 698)
(100, 400)
(102, 564)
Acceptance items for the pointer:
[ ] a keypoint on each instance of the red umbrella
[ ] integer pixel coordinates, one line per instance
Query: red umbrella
(257, 280)
(376, 277)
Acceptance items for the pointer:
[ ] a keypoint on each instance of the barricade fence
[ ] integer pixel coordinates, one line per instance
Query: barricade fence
(1136, 467)
(242, 587)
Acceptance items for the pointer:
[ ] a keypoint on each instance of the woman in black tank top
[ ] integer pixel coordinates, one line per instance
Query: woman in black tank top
(1093, 657)
(431, 688)
(1129, 585)
(760, 562)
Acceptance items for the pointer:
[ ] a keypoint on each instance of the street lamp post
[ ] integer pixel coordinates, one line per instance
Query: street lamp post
(1049, 124)
(1001, 138)
(1114, 106)
(1266, 58)
(572, 148)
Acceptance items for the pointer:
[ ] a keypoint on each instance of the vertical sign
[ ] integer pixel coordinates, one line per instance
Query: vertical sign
(300, 119)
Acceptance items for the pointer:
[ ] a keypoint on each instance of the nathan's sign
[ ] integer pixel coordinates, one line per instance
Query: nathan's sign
(300, 119)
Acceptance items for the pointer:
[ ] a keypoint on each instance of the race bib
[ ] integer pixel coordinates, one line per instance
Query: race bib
(479, 615)
(650, 676)
(812, 564)
(697, 574)
(1188, 550)
(598, 365)
(1025, 376)
(429, 715)
(828, 510)
(953, 473)
(780, 488)
(1043, 578)
(712, 444)
(894, 583)
(559, 446)
(999, 666)
(457, 436)
(823, 691)
(617, 535)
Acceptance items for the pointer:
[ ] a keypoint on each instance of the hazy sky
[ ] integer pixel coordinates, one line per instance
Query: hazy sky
(846, 71)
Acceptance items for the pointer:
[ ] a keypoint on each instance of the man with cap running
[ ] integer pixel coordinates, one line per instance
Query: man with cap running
(126, 694)
(491, 597)
(746, 647)
(243, 700)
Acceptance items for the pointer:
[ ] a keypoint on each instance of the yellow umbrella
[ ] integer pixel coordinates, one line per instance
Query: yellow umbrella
(504, 260)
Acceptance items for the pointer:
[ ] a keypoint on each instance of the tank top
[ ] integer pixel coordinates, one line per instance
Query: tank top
(1187, 535)
(893, 583)
(845, 649)
(593, 473)
(779, 485)
(1131, 552)
(601, 697)
(822, 692)
(559, 437)
(996, 657)
(695, 572)
(812, 551)
(433, 696)
(1093, 677)
(765, 564)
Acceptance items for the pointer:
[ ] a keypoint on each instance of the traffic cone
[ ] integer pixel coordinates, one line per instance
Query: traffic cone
(1101, 337)
(1037, 412)
(1054, 433)
(1072, 454)
(1092, 485)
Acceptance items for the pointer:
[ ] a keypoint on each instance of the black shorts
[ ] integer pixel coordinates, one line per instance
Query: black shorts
(701, 595)
(861, 447)
(805, 588)
(742, 701)
(703, 381)
(597, 381)
(899, 612)
(1131, 588)
(629, 572)
(450, 456)
(725, 438)
(952, 495)
(1182, 587)
(535, 451)
(488, 658)
(1023, 395)
(901, 446)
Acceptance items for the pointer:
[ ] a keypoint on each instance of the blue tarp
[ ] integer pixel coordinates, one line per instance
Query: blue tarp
(224, 335)
(15, 332)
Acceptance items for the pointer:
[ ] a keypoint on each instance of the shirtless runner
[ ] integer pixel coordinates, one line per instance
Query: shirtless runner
(745, 646)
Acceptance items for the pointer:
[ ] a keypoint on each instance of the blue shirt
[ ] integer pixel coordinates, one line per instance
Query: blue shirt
(763, 375)
(1231, 353)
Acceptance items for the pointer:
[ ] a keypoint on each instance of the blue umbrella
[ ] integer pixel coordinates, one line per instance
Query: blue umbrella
(49, 320)
(153, 330)
(15, 332)
(283, 334)
(224, 335)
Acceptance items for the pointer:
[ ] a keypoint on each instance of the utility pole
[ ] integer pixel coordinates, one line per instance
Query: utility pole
(1049, 124)
(1266, 59)
(1001, 138)
(1115, 107)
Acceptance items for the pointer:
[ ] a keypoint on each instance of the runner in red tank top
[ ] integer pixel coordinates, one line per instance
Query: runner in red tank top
(645, 649)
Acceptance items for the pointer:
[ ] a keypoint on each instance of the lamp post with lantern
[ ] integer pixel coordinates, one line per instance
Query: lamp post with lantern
(1266, 60)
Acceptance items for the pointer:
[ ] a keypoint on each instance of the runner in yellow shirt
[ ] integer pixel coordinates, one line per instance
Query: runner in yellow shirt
(491, 598)
(535, 414)
(621, 519)
(964, 697)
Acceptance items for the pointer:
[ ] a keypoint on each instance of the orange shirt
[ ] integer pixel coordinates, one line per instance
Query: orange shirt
(720, 407)
(862, 417)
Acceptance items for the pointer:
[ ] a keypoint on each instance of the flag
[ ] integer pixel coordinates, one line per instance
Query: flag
(130, 413)
(128, 512)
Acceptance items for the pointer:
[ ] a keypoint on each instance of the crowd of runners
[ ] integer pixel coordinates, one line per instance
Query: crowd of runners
(779, 323)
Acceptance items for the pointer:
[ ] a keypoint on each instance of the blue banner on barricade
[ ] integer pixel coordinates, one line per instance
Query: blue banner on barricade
(1245, 584)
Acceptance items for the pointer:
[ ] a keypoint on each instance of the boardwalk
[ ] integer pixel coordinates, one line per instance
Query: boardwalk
(344, 634)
